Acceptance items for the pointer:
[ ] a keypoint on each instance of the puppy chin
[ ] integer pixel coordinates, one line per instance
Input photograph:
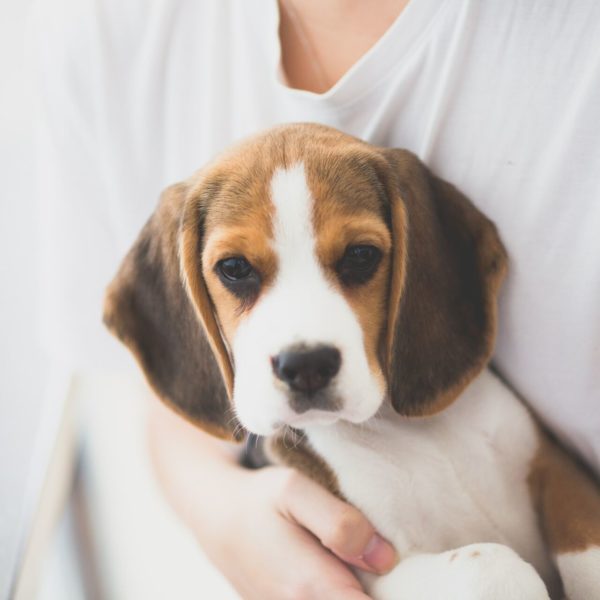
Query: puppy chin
(268, 422)
(321, 418)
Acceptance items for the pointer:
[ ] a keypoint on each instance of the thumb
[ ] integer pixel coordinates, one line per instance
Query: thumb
(339, 526)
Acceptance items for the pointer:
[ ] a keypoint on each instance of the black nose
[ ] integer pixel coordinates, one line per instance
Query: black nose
(307, 370)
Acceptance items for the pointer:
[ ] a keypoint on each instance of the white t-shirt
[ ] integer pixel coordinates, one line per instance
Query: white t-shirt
(500, 98)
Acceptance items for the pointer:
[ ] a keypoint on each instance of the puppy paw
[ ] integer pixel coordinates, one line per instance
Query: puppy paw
(474, 572)
(494, 572)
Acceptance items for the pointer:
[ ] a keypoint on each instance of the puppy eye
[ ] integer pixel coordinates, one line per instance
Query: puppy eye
(361, 257)
(358, 264)
(234, 268)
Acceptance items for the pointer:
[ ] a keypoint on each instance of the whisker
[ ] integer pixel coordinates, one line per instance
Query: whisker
(285, 430)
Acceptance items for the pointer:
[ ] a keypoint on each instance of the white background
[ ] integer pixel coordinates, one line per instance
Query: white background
(22, 369)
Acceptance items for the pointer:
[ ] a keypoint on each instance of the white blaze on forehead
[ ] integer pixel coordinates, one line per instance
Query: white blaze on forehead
(302, 306)
(293, 203)
(294, 238)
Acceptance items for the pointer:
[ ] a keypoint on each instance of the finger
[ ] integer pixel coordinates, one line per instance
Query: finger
(324, 575)
(340, 527)
(316, 573)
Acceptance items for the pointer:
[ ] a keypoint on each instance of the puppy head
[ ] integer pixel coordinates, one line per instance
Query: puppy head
(325, 273)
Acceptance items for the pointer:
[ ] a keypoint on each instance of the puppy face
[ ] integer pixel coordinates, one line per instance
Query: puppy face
(299, 281)
(319, 276)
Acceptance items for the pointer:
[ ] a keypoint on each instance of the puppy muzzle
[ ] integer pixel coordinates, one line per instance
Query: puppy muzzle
(308, 372)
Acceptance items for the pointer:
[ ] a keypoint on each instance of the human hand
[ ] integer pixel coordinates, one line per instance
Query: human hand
(284, 536)
(274, 533)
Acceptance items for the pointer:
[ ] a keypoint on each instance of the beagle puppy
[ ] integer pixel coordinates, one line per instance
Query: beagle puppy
(307, 281)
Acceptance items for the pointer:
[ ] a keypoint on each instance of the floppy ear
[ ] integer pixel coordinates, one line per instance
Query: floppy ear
(447, 268)
(175, 339)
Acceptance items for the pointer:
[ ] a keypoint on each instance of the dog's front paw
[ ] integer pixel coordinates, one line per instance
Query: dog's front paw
(475, 572)
(495, 572)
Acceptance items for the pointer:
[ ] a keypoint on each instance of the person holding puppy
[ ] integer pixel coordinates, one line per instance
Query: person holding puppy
(502, 100)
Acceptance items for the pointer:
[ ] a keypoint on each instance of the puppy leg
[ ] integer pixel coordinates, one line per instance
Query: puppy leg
(568, 501)
(474, 572)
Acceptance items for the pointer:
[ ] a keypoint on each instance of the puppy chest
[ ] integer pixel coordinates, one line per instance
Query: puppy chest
(421, 503)
(434, 486)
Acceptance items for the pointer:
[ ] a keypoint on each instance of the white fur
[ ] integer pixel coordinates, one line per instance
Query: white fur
(301, 307)
(473, 572)
(439, 483)
(580, 572)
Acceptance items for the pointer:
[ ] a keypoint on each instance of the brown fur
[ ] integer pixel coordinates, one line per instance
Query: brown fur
(223, 197)
(148, 309)
(291, 449)
(567, 499)
(443, 314)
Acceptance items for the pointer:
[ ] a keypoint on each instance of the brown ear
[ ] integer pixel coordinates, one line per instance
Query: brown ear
(447, 269)
(176, 340)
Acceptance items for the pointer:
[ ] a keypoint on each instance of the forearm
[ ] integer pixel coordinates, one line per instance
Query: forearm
(197, 472)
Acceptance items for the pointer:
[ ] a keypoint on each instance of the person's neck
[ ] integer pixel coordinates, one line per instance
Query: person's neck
(320, 40)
